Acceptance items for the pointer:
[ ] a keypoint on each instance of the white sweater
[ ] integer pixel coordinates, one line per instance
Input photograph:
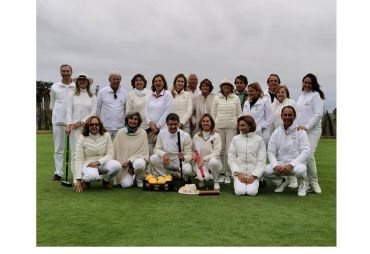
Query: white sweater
(310, 109)
(157, 108)
(80, 107)
(182, 105)
(167, 143)
(59, 93)
(225, 110)
(92, 148)
(135, 102)
(276, 111)
(208, 149)
(247, 154)
(288, 146)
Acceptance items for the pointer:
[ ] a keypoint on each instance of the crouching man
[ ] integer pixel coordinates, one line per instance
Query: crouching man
(288, 151)
(131, 149)
(166, 156)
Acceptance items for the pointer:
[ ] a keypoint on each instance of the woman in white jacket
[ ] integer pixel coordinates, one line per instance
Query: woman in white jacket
(94, 156)
(310, 108)
(80, 105)
(207, 147)
(259, 107)
(182, 102)
(282, 100)
(136, 98)
(247, 157)
(225, 110)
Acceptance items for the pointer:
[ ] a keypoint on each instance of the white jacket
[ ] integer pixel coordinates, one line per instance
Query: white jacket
(182, 105)
(288, 146)
(80, 107)
(208, 149)
(261, 112)
(92, 148)
(111, 111)
(225, 110)
(167, 143)
(247, 154)
(135, 102)
(157, 108)
(276, 111)
(310, 109)
(59, 93)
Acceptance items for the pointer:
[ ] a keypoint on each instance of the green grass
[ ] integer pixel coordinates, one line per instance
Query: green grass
(132, 217)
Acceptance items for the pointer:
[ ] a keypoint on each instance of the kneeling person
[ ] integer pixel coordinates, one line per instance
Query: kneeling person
(166, 156)
(94, 156)
(288, 152)
(131, 149)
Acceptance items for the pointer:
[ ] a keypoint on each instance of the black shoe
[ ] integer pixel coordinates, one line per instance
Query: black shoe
(262, 183)
(56, 178)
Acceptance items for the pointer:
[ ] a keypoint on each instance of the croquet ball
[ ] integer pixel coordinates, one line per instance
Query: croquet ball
(147, 185)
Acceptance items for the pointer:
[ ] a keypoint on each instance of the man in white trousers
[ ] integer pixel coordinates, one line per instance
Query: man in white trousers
(166, 156)
(58, 104)
(288, 151)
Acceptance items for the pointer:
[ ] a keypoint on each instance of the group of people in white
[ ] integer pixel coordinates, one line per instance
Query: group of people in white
(120, 137)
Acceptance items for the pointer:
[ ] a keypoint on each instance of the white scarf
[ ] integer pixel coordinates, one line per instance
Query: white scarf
(140, 93)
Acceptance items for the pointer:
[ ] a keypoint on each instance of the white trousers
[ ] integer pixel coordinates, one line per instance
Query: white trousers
(73, 138)
(226, 135)
(127, 180)
(299, 171)
(311, 162)
(161, 170)
(112, 133)
(245, 189)
(59, 136)
(211, 170)
(110, 168)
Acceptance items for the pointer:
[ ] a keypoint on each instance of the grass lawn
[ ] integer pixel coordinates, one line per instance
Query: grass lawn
(132, 217)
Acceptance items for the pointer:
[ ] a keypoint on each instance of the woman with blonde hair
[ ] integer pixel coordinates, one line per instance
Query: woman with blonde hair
(182, 103)
(259, 107)
(80, 105)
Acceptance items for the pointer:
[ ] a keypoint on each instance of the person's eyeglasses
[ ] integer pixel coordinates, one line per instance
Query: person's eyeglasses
(93, 125)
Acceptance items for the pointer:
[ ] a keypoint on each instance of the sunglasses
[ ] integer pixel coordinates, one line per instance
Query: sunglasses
(93, 125)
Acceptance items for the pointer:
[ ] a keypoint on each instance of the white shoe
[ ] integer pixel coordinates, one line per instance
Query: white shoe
(221, 179)
(227, 180)
(293, 183)
(139, 183)
(201, 184)
(282, 186)
(216, 186)
(316, 187)
(302, 189)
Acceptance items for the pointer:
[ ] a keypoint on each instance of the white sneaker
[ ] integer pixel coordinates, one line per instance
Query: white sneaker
(282, 186)
(201, 184)
(221, 179)
(293, 183)
(227, 180)
(216, 186)
(316, 187)
(302, 189)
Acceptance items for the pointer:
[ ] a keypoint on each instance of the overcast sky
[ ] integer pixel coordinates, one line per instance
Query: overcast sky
(215, 39)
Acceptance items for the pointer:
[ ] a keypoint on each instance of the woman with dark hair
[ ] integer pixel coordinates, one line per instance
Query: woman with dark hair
(157, 107)
(131, 149)
(94, 156)
(241, 83)
(259, 107)
(247, 157)
(136, 98)
(207, 147)
(182, 103)
(202, 103)
(310, 109)
(80, 106)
